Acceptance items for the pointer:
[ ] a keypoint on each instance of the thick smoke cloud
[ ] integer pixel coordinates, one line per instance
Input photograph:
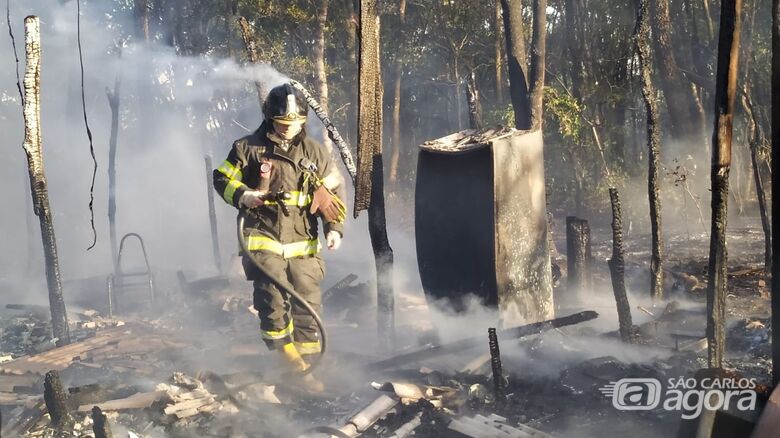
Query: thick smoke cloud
(174, 109)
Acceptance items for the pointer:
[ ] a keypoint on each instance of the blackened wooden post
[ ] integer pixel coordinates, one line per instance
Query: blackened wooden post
(100, 425)
(54, 396)
(369, 181)
(578, 256)
(617, 268)
(495, 363)
(212, 213)
(725, 94)
(40, 193)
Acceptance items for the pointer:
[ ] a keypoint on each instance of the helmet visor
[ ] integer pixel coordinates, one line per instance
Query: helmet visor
(290, 119)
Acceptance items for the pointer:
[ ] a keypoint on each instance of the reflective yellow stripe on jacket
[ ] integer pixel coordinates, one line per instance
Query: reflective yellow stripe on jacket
(235, 175)
(279, 334)
(289, 250)
(229, 170)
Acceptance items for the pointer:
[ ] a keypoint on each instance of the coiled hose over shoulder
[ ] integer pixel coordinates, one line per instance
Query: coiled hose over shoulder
(283, 287)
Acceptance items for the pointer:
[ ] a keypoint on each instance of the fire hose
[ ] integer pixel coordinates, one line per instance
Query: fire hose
(284, 288)
(333, 133)
(346, 157)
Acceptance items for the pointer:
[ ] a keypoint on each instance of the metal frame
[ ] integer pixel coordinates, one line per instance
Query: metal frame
(117, 280)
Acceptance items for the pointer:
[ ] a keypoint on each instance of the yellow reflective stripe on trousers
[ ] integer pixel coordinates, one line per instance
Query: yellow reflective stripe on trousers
(229, 170)
(296, 249)
(230, 190)
(278, 334)
(308, 347)
(297, 199)
(264, 243)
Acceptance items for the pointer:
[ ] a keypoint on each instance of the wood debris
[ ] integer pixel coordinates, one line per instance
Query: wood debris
(493, 426)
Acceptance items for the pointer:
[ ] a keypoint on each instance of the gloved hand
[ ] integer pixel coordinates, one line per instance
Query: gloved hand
(331, 207)
(333, 239)
(252, 198)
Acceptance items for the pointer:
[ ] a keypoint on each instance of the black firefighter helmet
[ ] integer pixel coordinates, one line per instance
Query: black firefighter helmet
(285, 105)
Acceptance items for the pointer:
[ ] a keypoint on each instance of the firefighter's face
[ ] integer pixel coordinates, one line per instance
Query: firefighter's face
(288, 132)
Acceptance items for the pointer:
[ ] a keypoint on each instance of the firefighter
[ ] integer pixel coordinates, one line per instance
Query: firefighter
(288, 180)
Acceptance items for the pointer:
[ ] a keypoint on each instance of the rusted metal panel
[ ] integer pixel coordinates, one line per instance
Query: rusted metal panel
(523, 271)
(481, 222)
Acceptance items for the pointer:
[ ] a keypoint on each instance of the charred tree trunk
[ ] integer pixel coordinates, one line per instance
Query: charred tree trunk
(397, 75)
(499, 34)
(725, 93)
(353, 29)
(231, 9)
(40, 193)
(251, 53)
(775, 189)
(573, 45)
(458, 102)
(353, 24)
(684, 117)
(475, 110)
(320, 74)
(212, 213)
(516, 60)
(113, 103)
(755, 140)
(708, 19)
(32, 255)
(369, 187)
(617, 268)
(756, 137)
(642, 35)
(578, 257)
(142, 8)
(538, 51)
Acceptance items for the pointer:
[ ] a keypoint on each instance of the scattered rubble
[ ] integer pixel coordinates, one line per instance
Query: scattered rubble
(146, 376)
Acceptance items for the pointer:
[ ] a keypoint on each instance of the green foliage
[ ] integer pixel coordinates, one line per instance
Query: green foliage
(562, 110)
(296, 14)
(500, 116)
(442, 42)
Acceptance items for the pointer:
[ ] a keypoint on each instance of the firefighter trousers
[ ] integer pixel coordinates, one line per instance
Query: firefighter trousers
(282, 319)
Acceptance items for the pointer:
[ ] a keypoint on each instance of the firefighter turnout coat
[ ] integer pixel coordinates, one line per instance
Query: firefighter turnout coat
(284, 238)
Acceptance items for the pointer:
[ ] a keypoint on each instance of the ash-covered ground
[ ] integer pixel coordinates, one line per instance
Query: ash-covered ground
(196, 357)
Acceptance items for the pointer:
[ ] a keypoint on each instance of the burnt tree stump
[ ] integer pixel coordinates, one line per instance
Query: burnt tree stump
(56, 401)
(100, 425)
(578, 257)
(495, 362)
